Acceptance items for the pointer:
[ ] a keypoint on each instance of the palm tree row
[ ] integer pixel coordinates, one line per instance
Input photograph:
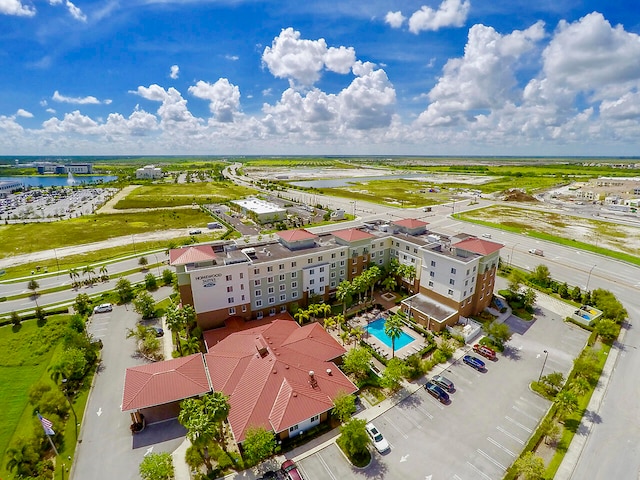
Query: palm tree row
(90, 272)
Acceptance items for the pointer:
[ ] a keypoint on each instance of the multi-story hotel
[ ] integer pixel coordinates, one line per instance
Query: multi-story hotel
(454, 276)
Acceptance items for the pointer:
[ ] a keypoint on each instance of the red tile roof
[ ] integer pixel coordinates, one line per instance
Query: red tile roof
(479, 246)
(193, 254)
(352, 234)
(165, 382)
(296, 235)
(272, 388)
(410, 223)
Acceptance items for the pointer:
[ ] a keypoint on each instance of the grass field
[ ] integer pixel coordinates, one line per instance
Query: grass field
(31, 349)
(177, 194)
(17, 239)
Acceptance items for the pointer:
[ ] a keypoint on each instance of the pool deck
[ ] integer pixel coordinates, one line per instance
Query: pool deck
(412, 347)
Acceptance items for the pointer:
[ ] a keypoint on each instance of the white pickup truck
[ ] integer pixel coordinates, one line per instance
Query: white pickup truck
(536, 251)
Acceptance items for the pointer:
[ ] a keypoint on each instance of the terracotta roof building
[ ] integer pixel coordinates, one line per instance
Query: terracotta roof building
(279, 376)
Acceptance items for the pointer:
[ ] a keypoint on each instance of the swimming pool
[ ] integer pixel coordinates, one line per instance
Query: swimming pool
(376, 328)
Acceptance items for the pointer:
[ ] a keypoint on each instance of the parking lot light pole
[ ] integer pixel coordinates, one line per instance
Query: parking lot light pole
(546, 354)
(589, 278)
(511, 257)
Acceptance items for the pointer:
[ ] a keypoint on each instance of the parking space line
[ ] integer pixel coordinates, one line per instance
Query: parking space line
(501, 447)
(404, 435)
(478, 471)
(456, 477)
(491, 459)
(326, 467)
(528, 402)
(411, 420)
(519, 410)
(427, 414)
(526, 429)
(510, 435)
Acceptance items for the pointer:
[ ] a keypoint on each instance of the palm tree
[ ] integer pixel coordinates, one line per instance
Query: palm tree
(175, 323)
(21, 458)
(344, 336)
(389, 283)
(34, 286)
(89, 271)
(191, 346)
(329, 323)
(324, 309)
(373, 275)
(301, 315)
(343, 294)
(104, 273)
(393, 330)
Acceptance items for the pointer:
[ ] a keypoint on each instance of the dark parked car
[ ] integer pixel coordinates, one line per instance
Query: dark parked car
(291, 470)
(437, 392)
(271, 475)
(474, 362)
(444, 382)
(158, 331)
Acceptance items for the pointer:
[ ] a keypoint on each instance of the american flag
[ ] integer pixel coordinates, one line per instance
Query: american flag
(46, 424)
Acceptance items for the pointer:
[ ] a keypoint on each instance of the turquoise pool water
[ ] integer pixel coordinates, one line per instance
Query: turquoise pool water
(376, 328)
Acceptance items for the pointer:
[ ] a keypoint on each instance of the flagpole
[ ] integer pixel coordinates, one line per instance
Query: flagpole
(52, 445)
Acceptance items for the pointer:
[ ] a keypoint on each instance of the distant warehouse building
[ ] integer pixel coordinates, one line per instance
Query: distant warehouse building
(7, 187)
(149, 172)
(261, 211)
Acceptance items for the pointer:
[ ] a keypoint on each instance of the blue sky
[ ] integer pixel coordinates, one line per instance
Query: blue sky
(231, 77)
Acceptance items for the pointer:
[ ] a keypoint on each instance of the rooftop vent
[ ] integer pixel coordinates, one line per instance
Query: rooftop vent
(328, 371)
(312, 379)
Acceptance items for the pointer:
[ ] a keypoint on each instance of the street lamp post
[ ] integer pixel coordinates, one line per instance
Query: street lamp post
(511, 257)
(589, 278)
(157, 263)
(75, 417)
(546, 354)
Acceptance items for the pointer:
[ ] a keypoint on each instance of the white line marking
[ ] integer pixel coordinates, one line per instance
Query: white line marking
(404, 435)
(535, 419)
(510, 435)
(526, 401)
(501, 447)
(526, 429)
(399, 410)
(491, 459)
(427, 414)
(456, 477)
(326, 467)
(479, 471)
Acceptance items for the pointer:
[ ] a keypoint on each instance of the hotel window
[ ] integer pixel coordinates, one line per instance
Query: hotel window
(342, 273)
(333, 265)
(244, 308)
(282, 278)
(466, 282)
(283, 287)
(407, 247)
(259, 315)
(294, 284)
(232, 311)
(258, 303)
(320, 258)
(312, 292)
(283, 297)
(283, 308)
(270, 268)
(450, 292)
(333, 255)
(312, 281)
(342, 253)
(294, 294)
(294, 274)
(312, 271)
(380, 261)
(430, 283)
(321, 269)
(293, 264)
(333, 274)
(242, 286)
(433, 263)
(467, 271)
(452, 281)
(415, 250)
(453, 270)
(474, 269)
(241, 275)
(229, 278)
(309, 260)
(315, 418)
(230, 300)
(256, 271)
(230, 289)
(269, 279)
(256, 282)
(333, 284)
(272, 312)
(272, 300)
(354, 261)
(242, 298)
(281, 266)
(354, 270)
(432, 274)
(464, 294)
(258, 293)
(342, 263)
(270, 289)
(294, 428)
(321, 279)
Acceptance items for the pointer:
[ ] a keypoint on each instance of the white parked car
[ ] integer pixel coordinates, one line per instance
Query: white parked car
(378, 440)
(105, 307)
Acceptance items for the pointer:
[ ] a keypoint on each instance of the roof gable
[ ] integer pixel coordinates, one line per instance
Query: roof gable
(410, 223)
(193, 254)
(352, 235)
(165, 382)
(296, 235)
(479, 246)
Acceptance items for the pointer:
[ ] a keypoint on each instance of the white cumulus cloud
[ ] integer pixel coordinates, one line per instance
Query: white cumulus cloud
(224, 98)
(24, 113)
(300, 60)
(450, 13)
(395, 19)
(71, 7)
(89, 100)
(175, 71)
(16, 8)
(173, 112)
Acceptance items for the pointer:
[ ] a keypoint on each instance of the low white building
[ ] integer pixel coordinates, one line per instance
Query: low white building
(261, 211)
(149, 172)
(7, 187)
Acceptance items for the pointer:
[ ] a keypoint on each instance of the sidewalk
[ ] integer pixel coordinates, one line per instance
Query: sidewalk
(572, 457)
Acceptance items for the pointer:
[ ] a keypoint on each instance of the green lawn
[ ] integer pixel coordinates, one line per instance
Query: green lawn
(28, 352)
(176, 194)
(17, 239)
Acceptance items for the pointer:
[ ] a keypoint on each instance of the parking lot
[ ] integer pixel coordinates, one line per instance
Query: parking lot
(489, 419)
